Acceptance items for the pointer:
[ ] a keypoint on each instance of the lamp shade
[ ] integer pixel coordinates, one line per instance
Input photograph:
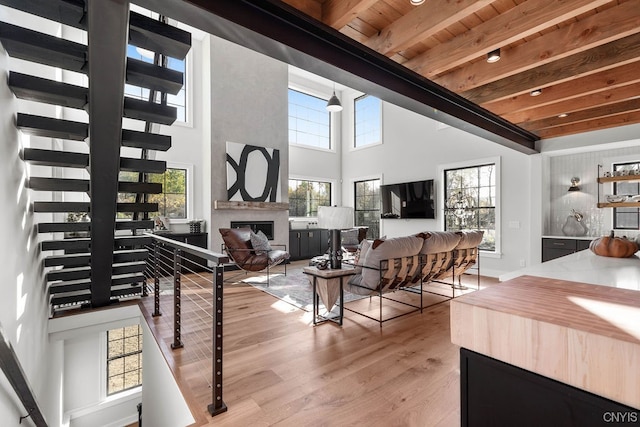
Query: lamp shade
(335, 217)
(334, 104)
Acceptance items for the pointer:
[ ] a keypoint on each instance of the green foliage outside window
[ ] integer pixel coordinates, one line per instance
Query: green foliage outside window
(172, 202)
(306, 196)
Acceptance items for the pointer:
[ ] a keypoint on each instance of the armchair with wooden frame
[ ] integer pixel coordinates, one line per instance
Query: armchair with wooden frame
(238, 245)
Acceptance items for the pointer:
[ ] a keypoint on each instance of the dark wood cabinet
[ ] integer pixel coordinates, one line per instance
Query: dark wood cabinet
(304, 244)
(494, 393)
(553, 248)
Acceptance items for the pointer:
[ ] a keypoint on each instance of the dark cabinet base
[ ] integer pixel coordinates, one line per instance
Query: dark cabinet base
(553, 248)
(494, 393)
(306, 244)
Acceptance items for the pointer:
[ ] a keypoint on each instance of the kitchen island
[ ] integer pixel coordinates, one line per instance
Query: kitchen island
(557, 342)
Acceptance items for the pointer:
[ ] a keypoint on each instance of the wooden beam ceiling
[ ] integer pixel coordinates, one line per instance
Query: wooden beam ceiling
(583, 53)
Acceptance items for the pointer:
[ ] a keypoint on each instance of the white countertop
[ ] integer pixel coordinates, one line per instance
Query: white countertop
(587, 267)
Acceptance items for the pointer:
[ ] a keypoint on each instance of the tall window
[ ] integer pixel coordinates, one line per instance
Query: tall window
(306, 196)
(309, 121)
(470, 201)
(367, 206)
(172, 202)
(124, 358)
(179, 101)
(368, 121)
(626, 218)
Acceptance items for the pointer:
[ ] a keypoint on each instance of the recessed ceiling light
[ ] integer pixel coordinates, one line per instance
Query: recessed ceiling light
(563, 115)
(493, 56)
(535, 92)
(416, 2)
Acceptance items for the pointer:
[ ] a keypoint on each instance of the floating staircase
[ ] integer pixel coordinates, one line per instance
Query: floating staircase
(97, 262)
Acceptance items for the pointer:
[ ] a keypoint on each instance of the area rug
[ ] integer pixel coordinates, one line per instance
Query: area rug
(294, 288)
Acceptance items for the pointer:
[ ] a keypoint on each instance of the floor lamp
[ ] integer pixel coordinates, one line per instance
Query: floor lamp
(334, 219)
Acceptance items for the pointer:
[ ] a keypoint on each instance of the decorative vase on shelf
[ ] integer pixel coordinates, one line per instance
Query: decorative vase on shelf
(574, 226)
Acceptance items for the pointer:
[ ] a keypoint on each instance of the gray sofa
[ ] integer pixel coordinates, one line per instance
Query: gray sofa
(406, 263)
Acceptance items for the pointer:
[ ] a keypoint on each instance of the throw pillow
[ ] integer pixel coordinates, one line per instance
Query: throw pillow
(350, 237)
(260, 243)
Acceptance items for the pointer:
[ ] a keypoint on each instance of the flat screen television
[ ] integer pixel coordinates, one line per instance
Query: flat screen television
(408, 200)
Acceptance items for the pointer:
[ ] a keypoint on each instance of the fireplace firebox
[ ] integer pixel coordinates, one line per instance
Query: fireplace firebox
(265, 226)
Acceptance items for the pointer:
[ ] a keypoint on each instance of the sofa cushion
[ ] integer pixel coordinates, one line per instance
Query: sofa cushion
(469, 239)
(395, 247)
(260, 242)
(439, 241)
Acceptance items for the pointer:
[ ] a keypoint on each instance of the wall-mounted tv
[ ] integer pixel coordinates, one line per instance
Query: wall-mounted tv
(408, 200)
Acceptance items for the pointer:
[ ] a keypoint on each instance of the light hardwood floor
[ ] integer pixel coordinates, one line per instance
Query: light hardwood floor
(281, 370)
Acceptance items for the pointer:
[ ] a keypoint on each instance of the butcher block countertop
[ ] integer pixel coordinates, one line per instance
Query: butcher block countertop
(584, 335)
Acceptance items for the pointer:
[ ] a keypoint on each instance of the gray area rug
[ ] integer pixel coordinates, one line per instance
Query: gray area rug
(294, 288)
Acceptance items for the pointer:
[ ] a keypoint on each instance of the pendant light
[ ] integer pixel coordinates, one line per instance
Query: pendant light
(334, 105)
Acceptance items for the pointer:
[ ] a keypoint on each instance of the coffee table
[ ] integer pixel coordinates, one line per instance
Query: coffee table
(328, 285)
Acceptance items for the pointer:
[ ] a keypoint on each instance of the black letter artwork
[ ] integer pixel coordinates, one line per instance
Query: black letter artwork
(269, 192)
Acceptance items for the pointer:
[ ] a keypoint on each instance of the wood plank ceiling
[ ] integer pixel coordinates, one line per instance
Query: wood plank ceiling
(583, 54)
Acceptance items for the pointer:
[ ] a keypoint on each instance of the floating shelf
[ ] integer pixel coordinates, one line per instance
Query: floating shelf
(603, 179)
(619, 205)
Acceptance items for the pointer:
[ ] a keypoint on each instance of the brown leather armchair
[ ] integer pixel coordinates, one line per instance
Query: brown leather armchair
(237, 244)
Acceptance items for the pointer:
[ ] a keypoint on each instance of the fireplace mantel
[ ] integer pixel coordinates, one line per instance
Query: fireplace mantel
(262, 206)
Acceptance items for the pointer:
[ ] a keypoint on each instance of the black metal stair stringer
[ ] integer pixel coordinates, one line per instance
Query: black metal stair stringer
(108, 25)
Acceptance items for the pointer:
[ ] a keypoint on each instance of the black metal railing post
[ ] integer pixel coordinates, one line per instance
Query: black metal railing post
(177, 266)
(217, 406)
(179, 249)
(156, 281)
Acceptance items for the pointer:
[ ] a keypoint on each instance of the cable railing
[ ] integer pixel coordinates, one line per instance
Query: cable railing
(170, 266)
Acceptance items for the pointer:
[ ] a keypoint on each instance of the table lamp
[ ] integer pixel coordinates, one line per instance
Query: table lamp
(335, 219)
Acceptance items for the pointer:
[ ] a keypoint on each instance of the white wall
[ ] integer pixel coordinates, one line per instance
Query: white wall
(315, 164)
(160, 388)
(23, 306)
(248, 106)
(82, 338)
(584, 165)
(415, 147)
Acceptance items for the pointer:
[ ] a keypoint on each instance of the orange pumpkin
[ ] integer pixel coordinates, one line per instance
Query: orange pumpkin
(612, 246)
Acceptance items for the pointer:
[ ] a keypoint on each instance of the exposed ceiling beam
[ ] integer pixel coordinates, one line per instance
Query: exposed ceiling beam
(593, 83)
(584, 102)
(588, 126)
(338, 13)
(521, 21)
(423, 22)
(609, 25)
(610, 55)
(277, 30)
(627, 106)
(310, 7)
